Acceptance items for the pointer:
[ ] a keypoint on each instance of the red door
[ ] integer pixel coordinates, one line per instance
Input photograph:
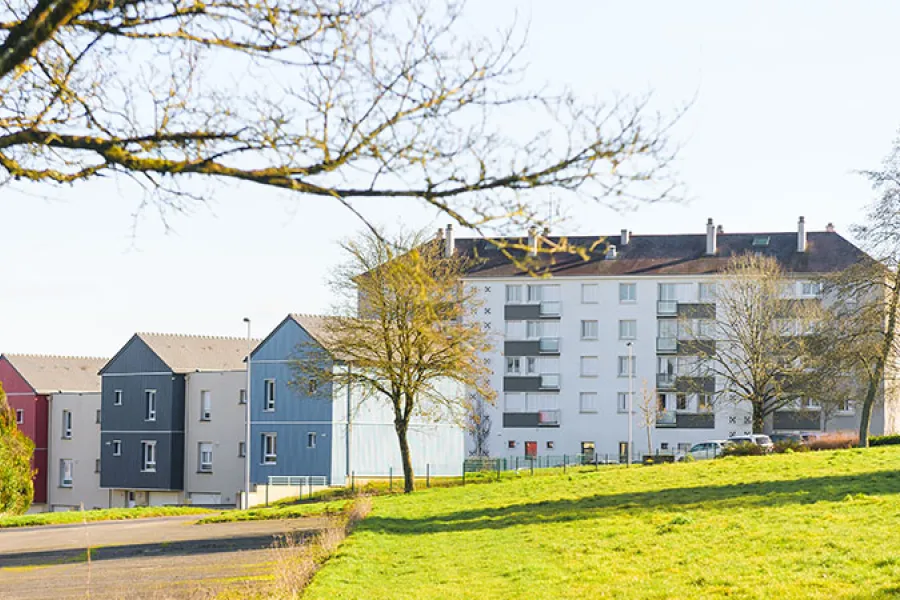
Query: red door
(531, 449)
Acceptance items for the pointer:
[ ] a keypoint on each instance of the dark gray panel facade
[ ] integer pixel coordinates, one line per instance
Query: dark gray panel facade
(797, 420)
(521, 384)
(696, 347)
(529, 348)
(695, 421)
(521, 419)
(522, 312)
(695, 385)
(125, 471)
(697, 311)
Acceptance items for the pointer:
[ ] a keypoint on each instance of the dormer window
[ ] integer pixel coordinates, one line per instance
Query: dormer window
(761, 241)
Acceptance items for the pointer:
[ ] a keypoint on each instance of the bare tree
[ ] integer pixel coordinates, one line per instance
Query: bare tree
(401, 326)
(759, 339)
(648, 407)
(480, 429)
(346, 100)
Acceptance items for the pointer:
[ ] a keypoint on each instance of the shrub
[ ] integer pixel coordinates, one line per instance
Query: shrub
(884, 440)
(834, 441)
(16, 486)
(743, 449)
(783, 446)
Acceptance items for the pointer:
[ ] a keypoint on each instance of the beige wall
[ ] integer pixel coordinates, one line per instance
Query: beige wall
(224, 430)
(83, 449)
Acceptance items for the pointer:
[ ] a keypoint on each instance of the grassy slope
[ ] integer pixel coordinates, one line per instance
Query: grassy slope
(816, 525)
(111, 514)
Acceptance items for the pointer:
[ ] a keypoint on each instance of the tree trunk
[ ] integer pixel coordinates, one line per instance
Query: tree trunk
(409, 484)
(866, 416)
(878, 375)
(758, 417)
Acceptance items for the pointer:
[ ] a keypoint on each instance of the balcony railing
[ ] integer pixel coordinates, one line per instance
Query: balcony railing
(550, 309)
(549, 345)
(549, 382)
(665, 380)
(549, 418)
(666, 307)
(666, 344)
(665, 418)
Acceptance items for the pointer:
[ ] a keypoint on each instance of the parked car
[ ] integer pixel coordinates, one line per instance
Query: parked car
(760, 440)
(709, 449)
(787, 437)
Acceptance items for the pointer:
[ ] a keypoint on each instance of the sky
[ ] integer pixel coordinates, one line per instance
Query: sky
(788, 100)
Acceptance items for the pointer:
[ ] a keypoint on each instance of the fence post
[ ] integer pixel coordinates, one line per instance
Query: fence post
(353, 481)
(267, 494)
(464, 474)
(498, 469)
(565, 462)
(428, 475)
(532, 467)
(390, 479)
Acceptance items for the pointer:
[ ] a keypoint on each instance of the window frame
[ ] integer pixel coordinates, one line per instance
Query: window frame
(242, 449)
(269, 395)
(150, 406)
(311, 440)
(67, 424)
(242, 396)
(269, 454)
(513, 366)
(63, 462)
(118, 397)
(20, 416)
(632, 360)
(148, 456)
(630, 298)
(596, 334)
(204, 467)
(116, 447)
(586, 298)
(622, 402)
(633, 335)
(590, 408)
(205, 405)
(587, 361)
(518, 288)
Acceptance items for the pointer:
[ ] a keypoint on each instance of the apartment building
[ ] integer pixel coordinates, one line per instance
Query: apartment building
(57, 405)
(573, 346)
(173, 420)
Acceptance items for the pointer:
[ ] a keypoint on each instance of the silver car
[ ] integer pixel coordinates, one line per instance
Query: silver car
(706, 450)
(763, 441)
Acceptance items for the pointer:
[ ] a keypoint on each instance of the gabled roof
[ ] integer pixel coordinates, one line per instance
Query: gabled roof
(189, 353)
(314, 325)
(675, 254)
(52, 374)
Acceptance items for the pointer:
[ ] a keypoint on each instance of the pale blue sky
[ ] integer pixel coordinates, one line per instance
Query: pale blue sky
(791, 98)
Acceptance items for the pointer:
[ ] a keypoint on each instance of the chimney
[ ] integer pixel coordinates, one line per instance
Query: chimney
(626, 237)
(450, 246)
(801, 235)
(610, 252)
(532, 241)
(719, 229)
(830, 228)
(710, 237)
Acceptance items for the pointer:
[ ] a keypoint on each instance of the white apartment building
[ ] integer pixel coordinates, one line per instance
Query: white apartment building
(566, 343)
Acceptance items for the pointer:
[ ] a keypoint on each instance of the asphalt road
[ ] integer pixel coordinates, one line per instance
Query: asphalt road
(145, 558)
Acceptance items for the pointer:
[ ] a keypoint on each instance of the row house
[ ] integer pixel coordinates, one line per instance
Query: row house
(57, 404)
(173, 420)
(303, 428)
(571, 346)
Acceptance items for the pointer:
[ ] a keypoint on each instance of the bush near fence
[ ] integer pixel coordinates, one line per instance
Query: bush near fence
(884, 440)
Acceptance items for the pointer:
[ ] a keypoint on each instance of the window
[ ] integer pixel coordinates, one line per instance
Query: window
(117, 447)
(311, 439)
(531, 366)
(515, 330)
(96, 465)
(590, 366)
(205, 455)
(97, 417)
(809, 404)
(65, 472)
(117, 398)
(513, 365)
(845, 406)
(242, 449)
(20, 416)
(667, 328)
(312, 386)
(668, 291)
(533, 329)
(150, 405)
(589, 330)
(627, 329)
(707, 292)
(514, 294)
(627, 292)
(761, 240)
(242, 397)
(205, 405)
(269, 454)
(67, 424)
(811, 288)
(550, 445)
(622, 402)
(588, 448)
(148, 452)
(588, 402)
(269, 398)
(535, 293)
(511, 444)
(590, 293)
(704, 403)
(681, 402)
(626, 366)
(514, 402)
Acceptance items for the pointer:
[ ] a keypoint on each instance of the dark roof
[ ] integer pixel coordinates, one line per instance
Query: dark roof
(676, 254)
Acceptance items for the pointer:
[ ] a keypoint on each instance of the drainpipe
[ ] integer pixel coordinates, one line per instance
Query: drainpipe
(349, 428)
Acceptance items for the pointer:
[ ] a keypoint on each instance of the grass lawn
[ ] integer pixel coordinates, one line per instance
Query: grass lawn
(810, 525)
(280, 511)
(110, 514)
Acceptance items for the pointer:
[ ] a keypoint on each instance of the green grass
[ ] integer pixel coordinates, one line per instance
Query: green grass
(811, 525)
(110, 514)
(294, 511)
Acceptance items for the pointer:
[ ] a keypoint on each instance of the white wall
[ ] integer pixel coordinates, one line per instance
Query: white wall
(83, 449)
(224, 430)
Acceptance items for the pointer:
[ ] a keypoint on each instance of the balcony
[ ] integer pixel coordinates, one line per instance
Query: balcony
(549, 382)
(549, 345)
(667, 307)
(665, 381)
(666, 418)
(548, 418)
(666, 344)
(550, 309)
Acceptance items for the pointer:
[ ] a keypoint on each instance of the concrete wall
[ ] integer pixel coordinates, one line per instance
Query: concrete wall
(83, 449)
(224, 430)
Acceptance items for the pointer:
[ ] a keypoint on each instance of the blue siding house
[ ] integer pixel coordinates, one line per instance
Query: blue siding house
(328, 431)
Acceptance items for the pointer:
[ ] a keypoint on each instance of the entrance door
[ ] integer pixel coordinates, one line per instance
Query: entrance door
(587, 452)
(623, 452)
(531, 449)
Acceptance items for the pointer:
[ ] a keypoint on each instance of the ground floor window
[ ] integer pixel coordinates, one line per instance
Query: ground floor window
(65, 472)
(269, 451)
(148, 452)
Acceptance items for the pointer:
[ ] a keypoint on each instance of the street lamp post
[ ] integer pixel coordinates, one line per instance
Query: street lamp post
(246, 502)
(630, 396)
